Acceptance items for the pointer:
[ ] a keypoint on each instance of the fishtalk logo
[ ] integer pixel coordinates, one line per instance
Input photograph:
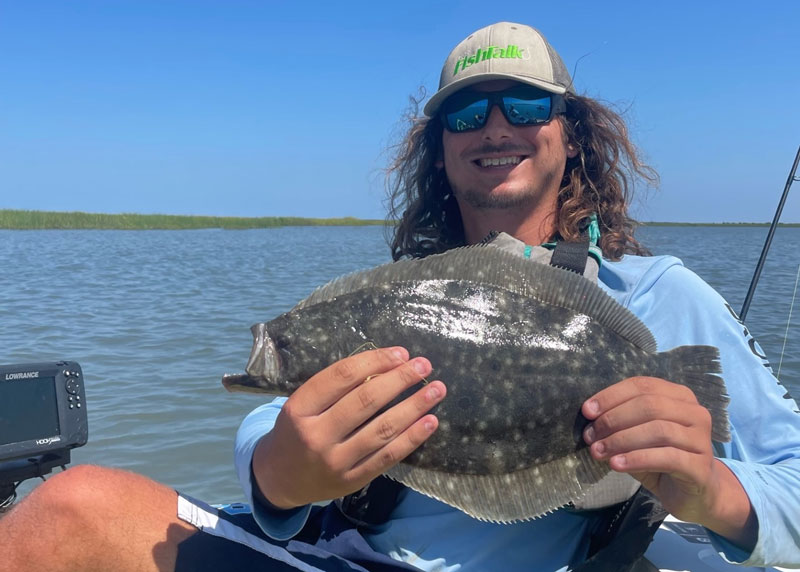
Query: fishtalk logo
(488, 53)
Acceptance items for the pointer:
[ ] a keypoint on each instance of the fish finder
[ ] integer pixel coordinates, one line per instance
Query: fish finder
(42, 418)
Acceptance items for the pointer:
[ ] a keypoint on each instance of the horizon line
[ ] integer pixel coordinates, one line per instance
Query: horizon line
(11, 218)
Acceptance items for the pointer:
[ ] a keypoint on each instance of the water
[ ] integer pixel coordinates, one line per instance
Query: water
(726, 258)
(156, 317)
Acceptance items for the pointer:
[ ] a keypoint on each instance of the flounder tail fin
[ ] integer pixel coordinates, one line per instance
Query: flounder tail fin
(697, 367)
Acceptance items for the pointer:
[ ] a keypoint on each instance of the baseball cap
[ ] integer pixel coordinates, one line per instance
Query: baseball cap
(501, 51)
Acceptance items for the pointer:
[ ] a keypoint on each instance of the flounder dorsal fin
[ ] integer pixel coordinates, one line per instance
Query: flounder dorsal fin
(494, 266)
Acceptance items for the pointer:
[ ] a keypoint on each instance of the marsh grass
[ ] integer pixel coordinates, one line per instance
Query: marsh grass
(27, 220)
(39, 220)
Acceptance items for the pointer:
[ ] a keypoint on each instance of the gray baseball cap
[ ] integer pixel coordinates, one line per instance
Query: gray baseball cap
(501, 51)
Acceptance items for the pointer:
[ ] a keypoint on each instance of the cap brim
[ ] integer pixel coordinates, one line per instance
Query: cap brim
(432, 107)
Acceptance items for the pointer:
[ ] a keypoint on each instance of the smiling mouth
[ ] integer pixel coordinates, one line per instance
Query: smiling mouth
(499, 161)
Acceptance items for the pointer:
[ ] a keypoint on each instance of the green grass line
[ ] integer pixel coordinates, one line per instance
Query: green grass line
(39, 220)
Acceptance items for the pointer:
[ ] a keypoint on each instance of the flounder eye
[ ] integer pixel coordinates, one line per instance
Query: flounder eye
(282, 341)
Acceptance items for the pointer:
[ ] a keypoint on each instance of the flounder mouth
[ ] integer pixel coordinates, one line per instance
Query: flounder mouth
(241, 382)
(264, 362)
(263, 366)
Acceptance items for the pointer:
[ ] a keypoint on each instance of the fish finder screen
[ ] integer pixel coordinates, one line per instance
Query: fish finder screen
(28, 409)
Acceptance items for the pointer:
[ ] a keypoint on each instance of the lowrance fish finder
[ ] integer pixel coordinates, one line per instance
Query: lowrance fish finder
(42, 418)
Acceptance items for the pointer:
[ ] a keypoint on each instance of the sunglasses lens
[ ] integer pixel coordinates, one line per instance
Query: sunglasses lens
(521, 111)
(466, 115)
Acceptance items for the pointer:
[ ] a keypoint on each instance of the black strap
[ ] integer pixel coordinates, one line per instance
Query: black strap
(571, 255)
(373, 504)
(622, 534)
(489, 237)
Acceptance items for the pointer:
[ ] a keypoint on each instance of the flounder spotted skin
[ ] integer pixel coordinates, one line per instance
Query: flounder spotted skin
(519, 345)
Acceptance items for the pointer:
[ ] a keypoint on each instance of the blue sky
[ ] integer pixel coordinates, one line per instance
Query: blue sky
(257, 108)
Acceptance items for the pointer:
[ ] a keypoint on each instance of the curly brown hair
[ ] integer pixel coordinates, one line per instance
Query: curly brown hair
(598, 180)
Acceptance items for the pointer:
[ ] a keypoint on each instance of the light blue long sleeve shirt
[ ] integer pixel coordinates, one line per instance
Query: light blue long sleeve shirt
(679, 309)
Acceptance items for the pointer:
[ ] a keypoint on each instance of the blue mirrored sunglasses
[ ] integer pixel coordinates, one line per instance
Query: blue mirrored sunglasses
(521, 105)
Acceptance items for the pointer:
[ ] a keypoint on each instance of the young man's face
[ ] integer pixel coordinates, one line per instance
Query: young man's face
(502, 166)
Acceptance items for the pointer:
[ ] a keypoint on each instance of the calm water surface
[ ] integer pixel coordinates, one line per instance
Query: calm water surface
(156, 317)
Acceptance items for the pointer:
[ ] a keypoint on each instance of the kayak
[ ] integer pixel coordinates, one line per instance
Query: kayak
(677, 547)
(685, 547)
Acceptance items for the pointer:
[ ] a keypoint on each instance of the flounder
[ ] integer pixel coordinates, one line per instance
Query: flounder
(520, 346)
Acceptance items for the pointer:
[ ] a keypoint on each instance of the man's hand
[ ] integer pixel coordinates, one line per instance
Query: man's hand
(657, 432)
(325, 445)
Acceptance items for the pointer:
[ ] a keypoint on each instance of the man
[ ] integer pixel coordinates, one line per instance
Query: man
(506, 146)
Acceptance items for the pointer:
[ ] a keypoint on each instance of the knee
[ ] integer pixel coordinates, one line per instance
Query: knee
(93, 518)
(79, 492)
(69, 502)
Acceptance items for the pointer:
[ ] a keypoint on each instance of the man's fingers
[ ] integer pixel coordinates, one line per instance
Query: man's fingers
(367, 398)
(643, 409)
(633, 387)
(689, 469)
(395, 450)
(391, 424)
(329, 385)
(653, 434)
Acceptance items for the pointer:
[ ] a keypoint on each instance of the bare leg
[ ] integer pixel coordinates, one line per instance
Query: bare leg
(91, 518)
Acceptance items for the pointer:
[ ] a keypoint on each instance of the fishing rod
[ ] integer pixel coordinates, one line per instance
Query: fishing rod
(773, 226)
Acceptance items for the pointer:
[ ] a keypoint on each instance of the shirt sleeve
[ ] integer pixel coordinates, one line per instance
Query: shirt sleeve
(276, 523)
(764, 450)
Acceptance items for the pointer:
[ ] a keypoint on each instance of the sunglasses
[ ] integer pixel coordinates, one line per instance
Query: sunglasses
(521, 105)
